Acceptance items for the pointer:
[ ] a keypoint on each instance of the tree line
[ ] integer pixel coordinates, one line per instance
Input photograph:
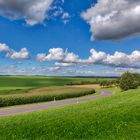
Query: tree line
(126, 81)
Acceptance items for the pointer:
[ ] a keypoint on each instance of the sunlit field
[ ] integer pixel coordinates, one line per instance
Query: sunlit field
(27, 82)
(69, 69)
(16, 90)
(113, 117)
(18, 97)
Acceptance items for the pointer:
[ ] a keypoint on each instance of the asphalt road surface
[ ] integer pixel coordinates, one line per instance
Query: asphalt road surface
(44, 106)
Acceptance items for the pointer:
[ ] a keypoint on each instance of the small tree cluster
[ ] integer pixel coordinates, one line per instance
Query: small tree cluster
(109, 83)
(137, 78)
(129, 81)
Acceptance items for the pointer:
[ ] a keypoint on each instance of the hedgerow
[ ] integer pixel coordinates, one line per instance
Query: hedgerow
(19, 99)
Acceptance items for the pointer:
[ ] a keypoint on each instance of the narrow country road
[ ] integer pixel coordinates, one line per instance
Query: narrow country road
(44, 106)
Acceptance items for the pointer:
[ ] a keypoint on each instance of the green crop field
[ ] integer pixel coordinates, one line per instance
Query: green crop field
(15, 90)
(27, 82)
(18, 97)
(116, 117)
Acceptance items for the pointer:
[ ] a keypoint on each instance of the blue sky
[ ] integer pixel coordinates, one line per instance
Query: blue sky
(66, 25)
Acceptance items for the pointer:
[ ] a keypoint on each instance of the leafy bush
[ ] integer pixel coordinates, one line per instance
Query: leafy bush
(129, 81)
(137, 78)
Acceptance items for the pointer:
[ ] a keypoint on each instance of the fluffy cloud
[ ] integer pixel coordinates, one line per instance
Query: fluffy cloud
(63, 64)
(96, 57)
(65, 17)
(118, 59)
(33, 11)
(54, 54)
(70, 57)
(12, 54)
(22, 54)
(53, 69)
(123, 60)
(58, 54)
(113, 19)
(4, 47)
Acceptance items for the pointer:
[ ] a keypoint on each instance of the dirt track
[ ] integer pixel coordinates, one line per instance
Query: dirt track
(95, 86)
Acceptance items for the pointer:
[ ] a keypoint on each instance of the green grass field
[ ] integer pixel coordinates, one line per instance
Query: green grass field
(25, 82)
(116, 117)
(15, 90)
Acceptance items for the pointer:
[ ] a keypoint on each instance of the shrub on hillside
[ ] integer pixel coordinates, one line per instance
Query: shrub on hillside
(128, 81)
(137, 78)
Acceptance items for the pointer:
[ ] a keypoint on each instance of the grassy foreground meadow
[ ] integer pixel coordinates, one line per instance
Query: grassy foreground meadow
(116, 117)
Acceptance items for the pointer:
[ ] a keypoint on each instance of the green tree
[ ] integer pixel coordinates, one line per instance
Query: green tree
(137, 78)
(128, 81)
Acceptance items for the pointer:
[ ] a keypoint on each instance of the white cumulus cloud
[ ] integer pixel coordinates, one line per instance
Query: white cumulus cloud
(118, 59)
(33, 11)
(22, 54)
(54, 54)
(96, 57)
(71, 57)
(65, 17)
(58, 54)
(53, 69)
(113, 19)
(63, 64)
(123, 60)
(4, 47)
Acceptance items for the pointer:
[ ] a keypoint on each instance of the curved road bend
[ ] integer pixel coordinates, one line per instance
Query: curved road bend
(44, 106)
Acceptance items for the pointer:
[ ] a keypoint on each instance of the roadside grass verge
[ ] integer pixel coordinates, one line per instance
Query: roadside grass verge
(113, 89)
(116, 117)
(43, 94)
